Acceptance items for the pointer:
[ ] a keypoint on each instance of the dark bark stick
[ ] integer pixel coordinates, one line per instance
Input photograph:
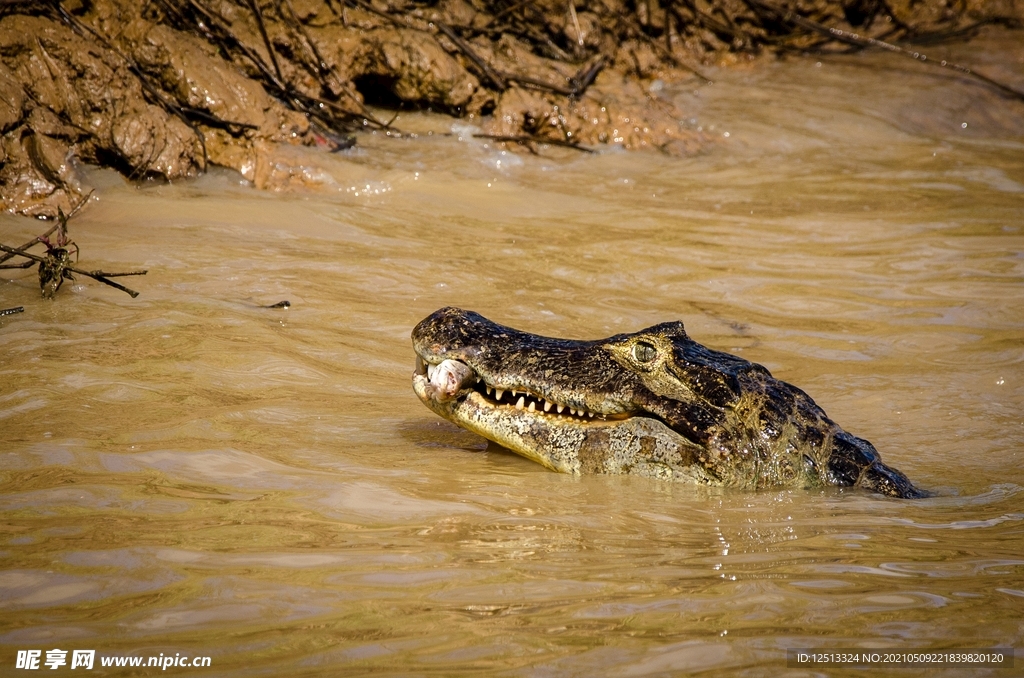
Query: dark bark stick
(101, 277)
(489, 73)
(861, 41)
(30, 243)
(266, 38)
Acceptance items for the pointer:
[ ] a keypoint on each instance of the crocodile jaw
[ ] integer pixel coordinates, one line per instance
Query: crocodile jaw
(636, 445)
(521, 431)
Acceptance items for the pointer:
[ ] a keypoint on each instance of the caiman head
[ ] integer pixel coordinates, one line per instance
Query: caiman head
(653, 403)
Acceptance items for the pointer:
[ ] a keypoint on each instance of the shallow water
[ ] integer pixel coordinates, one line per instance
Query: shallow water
(189, 473)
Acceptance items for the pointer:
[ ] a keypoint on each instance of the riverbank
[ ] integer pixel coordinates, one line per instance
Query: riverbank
(163, 90)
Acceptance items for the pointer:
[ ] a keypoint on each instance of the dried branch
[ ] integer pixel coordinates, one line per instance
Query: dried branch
(30, 243)
(861, 41)
(266, 38)
(321, 113)
(56, 266)
(323, 69)
(526, 139)
(489, 73)
(158, 95)
(95, 275)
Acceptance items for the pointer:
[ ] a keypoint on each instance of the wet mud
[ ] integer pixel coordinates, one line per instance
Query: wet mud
(164, 89)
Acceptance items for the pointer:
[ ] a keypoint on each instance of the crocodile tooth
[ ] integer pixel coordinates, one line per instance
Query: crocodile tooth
(514, 393)
(560, 408)
(572, 411)
(520, 403)
(590, 414)
(547, 406)
(498, 393)
(532, 407)
(488, 390)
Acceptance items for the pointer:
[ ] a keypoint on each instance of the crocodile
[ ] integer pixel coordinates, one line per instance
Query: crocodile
(652, 403)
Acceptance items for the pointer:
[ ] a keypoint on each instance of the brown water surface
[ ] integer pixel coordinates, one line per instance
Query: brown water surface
(187, 472)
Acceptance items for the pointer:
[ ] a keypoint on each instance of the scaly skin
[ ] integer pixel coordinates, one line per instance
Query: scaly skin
(654, 403)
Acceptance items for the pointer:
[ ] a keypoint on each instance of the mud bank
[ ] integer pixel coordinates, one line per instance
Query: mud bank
(164, 89)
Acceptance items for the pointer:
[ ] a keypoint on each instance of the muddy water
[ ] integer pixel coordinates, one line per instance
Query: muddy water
(189, 473)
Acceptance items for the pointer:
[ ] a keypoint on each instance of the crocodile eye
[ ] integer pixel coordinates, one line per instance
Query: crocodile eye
(644, 352)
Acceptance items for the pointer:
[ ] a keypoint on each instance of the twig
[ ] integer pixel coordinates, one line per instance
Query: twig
(214, 121)
(74, 210)
(668, 54)
(855, 39)
(499, 79)
(390, 17)
(576, 27)
(527, 29)
(226, 35)
(709, 22)
(157, 94)
(24, 264)
(539, 84)
(40, 238)
(105, 281)
(95, 275)
(586, 76)
(509, 10)
(942, 36)
(528, 139)
(215, 30)
(266, 38)
(496, 79)
(323, 69)
(30, 243)
(103, 274)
